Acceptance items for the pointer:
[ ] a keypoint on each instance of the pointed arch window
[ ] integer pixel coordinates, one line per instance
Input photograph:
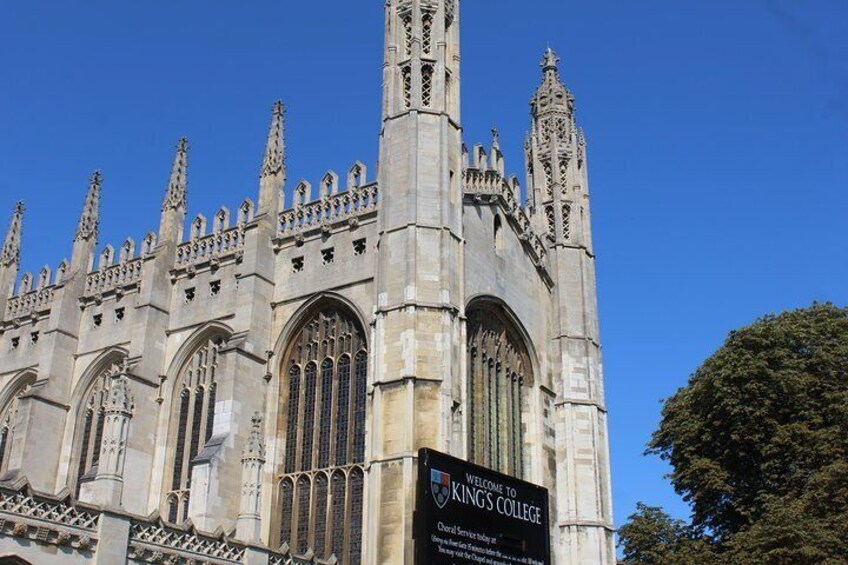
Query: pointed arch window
(324, 392)
(194, 416)
(9, 421)
(427, 32)
(90, 426)
(498, 374)
(427, 85)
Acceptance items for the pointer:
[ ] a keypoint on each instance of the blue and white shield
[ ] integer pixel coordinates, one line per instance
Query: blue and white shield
(440, 487)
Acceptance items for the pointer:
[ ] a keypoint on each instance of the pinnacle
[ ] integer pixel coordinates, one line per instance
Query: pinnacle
(550, 60)
(175, 197)
(11, 252)
(274, 160)
(90, 218)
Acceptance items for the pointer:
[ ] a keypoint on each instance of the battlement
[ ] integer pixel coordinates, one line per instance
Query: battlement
(359, 200)
(484, 181)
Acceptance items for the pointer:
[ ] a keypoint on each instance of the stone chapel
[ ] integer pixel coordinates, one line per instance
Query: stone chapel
(253, 387)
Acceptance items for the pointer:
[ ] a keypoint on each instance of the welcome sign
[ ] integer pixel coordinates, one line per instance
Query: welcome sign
(470, 515)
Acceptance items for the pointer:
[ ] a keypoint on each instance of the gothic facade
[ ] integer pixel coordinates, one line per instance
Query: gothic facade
(255, 389)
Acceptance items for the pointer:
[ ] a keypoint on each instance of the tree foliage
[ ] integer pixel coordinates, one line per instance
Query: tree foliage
(652, 537)
(758, 441)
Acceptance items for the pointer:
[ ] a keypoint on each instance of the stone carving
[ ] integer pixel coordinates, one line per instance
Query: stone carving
(150, 543)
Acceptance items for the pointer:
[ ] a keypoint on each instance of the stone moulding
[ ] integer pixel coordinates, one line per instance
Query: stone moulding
(348, 206)
(47, 522)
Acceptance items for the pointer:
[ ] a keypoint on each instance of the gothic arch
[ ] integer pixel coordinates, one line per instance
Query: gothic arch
(192, 377)
(8, 412)
(87, 418)
(500, 377)
(192, 342)
(321, 421)
(304, 312)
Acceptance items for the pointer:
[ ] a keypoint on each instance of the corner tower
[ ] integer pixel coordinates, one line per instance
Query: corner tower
(419, 292)
(557, 175)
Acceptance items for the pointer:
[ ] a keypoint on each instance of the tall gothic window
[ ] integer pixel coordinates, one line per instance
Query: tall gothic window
(194, 398)
(90, 425)
(499, 373)
(8, 422)
(324, 389)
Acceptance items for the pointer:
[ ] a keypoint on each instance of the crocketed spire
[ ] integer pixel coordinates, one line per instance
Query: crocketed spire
(11, 253)
(552, 95)
(89, 221)
(275, 149)
(175, 197)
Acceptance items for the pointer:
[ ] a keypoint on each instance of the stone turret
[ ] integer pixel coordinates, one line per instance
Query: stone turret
(118, 410)
(272, 178)
(10, 256)
(174, 205)
(249, 524)
(560, 193)
(420, 295)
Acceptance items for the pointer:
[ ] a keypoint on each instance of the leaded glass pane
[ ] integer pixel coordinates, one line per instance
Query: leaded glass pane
(320, 514)
(497, 366)
(325, 419)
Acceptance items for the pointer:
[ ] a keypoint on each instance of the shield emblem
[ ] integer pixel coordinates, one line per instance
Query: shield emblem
(440, 487)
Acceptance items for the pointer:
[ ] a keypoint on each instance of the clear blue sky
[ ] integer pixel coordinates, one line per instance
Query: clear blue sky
(718, 139)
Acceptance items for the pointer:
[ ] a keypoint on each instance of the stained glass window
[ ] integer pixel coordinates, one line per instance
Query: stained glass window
(498, 368)
(8, 419)
(195, 419)
(325, 401)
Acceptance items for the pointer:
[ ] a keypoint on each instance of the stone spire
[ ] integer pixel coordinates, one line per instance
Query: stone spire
(11, 253)
(552, 95)
(272, 177)
(275, 148)
(175, 197)
(89, 221)
(249, 523)
(552, 151)
(174, 206)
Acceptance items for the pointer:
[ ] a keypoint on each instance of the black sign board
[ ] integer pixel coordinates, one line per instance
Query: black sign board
(469, 515)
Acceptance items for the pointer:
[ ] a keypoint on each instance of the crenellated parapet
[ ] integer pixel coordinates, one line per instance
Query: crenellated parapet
(360, 200)
(484, 181)
(36, 302)
(117, 279)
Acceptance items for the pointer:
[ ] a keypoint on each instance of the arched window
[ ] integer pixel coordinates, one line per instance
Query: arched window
(498, 374)
(194, 414)
(324, 388)
(9, 420)
(90, 425)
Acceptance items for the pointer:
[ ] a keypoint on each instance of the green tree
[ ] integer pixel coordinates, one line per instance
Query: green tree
(652, 537)
(758, 441)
